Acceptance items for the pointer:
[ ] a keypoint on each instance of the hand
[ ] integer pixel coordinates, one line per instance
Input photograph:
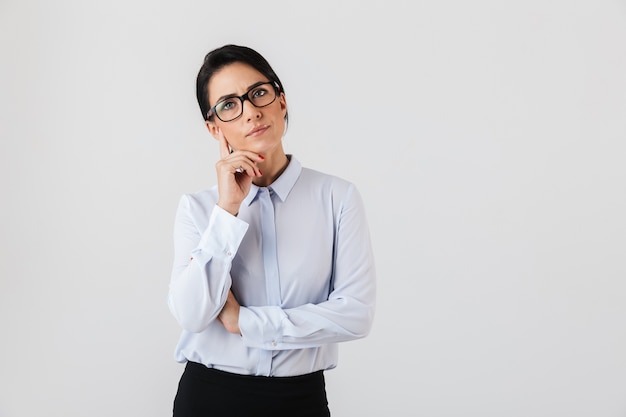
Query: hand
(229, 316)
(235, 172)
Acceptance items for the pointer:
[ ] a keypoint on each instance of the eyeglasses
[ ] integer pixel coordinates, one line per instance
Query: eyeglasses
(230, 108)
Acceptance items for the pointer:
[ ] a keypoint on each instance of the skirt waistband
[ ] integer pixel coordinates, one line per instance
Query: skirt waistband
(202, 371)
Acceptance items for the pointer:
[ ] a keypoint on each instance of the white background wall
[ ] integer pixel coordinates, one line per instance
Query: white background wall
(486, 137)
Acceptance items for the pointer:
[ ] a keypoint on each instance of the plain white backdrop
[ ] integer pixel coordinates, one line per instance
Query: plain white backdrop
(486, 137)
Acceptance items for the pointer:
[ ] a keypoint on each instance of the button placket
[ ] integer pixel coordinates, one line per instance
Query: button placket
(270, 258)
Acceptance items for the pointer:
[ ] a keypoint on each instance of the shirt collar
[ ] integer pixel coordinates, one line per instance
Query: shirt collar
(282, 185)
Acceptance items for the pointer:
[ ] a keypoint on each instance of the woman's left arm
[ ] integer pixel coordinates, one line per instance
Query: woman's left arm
(348, 312)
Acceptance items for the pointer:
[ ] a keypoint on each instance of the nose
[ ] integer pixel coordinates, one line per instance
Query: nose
(250, 111)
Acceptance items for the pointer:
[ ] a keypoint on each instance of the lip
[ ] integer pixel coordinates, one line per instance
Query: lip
(257, 130)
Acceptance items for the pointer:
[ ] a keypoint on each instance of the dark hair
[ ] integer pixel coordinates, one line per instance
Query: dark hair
(226, 55)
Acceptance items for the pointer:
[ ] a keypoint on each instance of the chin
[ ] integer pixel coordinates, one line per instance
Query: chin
(262, 146)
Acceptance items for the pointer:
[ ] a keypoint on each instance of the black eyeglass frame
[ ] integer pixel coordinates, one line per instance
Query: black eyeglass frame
(212, 111)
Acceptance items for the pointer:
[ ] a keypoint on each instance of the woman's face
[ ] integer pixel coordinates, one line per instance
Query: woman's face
(258, 129)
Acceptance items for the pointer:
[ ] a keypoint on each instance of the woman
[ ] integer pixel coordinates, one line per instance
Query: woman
(273, 265)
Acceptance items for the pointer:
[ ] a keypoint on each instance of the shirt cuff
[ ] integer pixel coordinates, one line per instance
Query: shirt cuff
(224, 233)
(261, 327)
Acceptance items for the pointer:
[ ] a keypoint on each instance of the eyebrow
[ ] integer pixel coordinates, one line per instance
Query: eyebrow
(258, 83)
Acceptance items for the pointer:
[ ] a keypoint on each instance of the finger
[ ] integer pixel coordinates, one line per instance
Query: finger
(246, 166)
(224, 148)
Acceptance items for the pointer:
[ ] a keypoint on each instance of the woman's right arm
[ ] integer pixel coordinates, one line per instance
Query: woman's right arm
(200, 278)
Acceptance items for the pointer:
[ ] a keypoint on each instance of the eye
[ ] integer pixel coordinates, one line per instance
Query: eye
(258, 92)
(226, 105)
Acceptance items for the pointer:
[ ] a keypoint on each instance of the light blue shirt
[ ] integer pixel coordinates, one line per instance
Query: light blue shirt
(299, 260)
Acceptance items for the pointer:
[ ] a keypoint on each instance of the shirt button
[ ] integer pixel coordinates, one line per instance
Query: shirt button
(274, 343)
(229, 253)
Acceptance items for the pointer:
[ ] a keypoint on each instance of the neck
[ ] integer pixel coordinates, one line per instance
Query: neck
(271, 169)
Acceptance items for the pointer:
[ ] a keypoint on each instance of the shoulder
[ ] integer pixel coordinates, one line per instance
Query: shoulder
(201, 201)
(324, 181)
(328, 189)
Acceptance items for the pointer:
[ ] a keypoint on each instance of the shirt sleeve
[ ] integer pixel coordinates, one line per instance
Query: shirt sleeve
(200, 277)
(349, 311)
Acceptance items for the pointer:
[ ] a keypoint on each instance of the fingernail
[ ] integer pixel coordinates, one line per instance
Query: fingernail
(261, 156)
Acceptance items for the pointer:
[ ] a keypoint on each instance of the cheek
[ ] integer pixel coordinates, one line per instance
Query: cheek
(281, 125)
(233, 136)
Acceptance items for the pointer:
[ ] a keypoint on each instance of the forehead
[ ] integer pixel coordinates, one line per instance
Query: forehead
(235, 78)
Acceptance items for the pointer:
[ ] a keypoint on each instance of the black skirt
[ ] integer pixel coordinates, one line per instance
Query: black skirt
(207, 392)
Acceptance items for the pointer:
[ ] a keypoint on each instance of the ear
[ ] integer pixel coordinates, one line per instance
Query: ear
(283, 103)
(212, 128)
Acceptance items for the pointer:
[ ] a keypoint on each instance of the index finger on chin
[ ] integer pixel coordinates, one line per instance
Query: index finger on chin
(224, 151)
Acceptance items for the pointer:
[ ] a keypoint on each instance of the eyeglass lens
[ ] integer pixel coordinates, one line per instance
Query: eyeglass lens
(230, 108)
